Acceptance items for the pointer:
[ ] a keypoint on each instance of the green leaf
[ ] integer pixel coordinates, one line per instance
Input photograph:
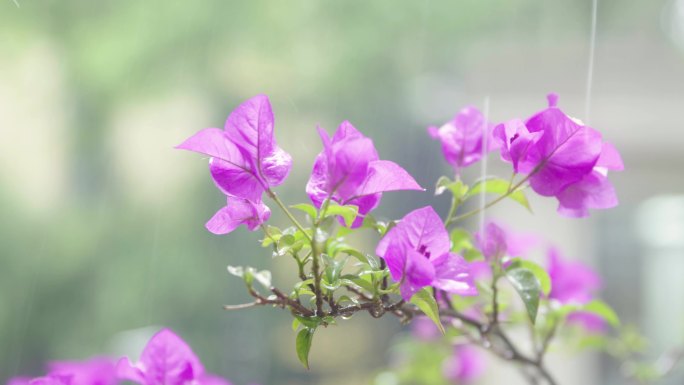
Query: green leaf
(309, 322)
(303, 345)
(428, 305)
(334, 268)
(274, 234)
(528, 287)
(604, 311)
(347, 212)
(457, 188)
(249, 274)
(357, 282)
(310, 210)
(499, 187)
(460, 240)
(538, 271)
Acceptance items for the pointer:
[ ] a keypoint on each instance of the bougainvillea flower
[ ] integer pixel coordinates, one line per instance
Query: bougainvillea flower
(465, 366)
(238, 211)
(594, 191)
(95, 371)
(571, 281)
(349, 171)
(417, 252)
(496, 241)
(517, 145)
(563, 157)
(492, 241)
(424, 329)
(167, 360)
(245, 159)
(588, 321)
(463, 138)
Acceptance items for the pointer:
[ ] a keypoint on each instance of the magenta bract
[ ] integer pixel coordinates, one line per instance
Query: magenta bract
(349, 172)
(563, 157)
(245, 161)
(417, 252)
(465, 366)
(464, 137)
(167, 360)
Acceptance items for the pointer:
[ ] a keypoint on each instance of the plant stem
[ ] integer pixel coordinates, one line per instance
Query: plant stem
(287, 212)
(469, 214)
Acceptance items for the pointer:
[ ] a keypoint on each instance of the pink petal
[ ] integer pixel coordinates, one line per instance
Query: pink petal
(452, 274)
(567, 151)
(95, 371)
(168, 360)
(594, 191)
(424, 227)
(235, 181)
(419, 273)
(492, 242)
(571, 281)
(610, 158)
(125, 370)
(237, 212)
(250, 127)
(214, 142)
(384, 175)
(210, 379)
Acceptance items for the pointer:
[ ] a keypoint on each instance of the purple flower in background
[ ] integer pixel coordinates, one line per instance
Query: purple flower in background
(349, 171)
(571, 281)
(417, 252)
(574, 282)
(245, 160)
(424, 329)
(492, 241)
(465, 365)
(463, 138)
(496, 241)
(167, 360)
(236, 212)
(95, 371)
(588, 321)
(563, 157)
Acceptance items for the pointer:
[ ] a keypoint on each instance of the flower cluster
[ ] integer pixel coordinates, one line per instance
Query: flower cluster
(562, 158)
(165, 360)
(245, 161)
(424, 265)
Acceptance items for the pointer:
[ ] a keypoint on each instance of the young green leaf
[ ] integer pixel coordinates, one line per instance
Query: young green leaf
(460, 240)
(347, 212)
(604, 311)
(457, 188)
(528, 287)
(272, 235)
(428, 305)
(309, 322)
(499, 187)
(310, 210)
(303, 345)
(538, 271)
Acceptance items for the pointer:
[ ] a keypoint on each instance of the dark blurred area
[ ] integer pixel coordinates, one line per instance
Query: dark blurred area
(101, 221)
